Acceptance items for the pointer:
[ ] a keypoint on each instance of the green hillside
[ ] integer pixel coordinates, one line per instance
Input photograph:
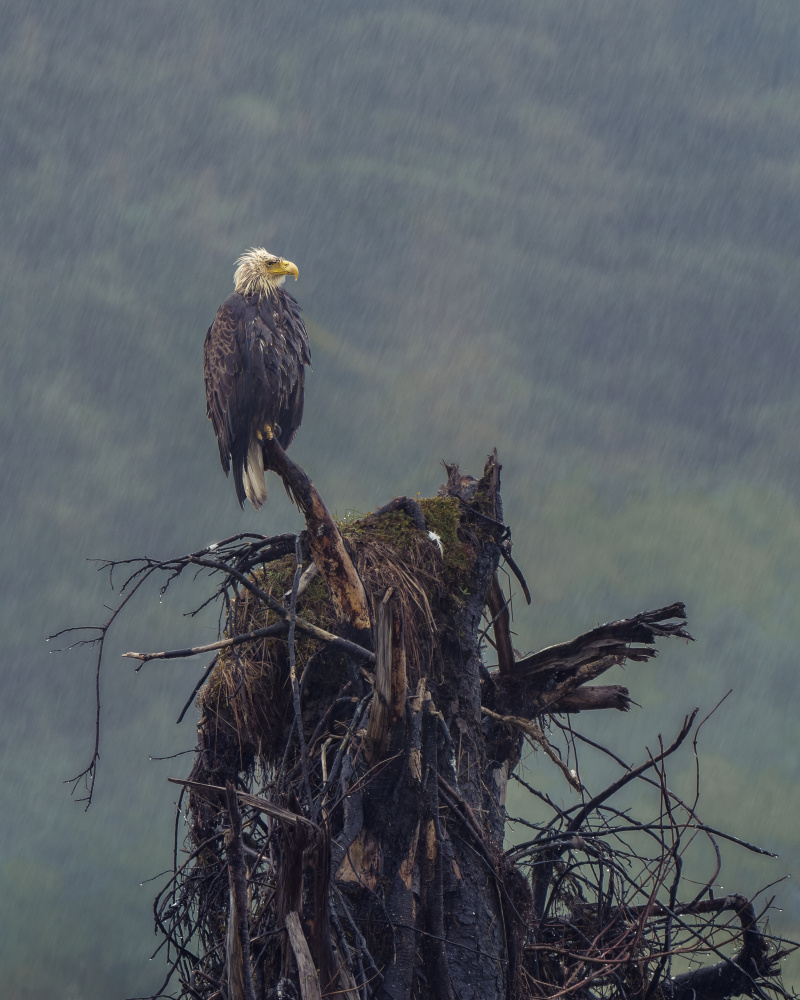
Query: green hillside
(567, 229)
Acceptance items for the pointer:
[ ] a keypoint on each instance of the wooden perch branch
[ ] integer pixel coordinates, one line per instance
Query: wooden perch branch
(325, 542)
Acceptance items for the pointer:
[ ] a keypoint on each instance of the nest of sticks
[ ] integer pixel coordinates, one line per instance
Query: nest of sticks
(335, 813)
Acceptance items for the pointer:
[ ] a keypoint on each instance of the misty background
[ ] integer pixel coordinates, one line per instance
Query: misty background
(570, 230)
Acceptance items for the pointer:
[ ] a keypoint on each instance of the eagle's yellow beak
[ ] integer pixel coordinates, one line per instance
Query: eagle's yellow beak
(284, 267)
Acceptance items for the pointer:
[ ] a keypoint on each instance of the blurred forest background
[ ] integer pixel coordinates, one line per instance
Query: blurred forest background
(564, 228)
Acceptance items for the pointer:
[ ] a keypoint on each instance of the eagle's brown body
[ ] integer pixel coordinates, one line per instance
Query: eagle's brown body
(254, 360)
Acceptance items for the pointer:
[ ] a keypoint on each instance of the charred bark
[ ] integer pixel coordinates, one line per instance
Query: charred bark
(347, 809)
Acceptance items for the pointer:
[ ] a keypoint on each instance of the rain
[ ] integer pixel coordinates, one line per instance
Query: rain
(569, 231)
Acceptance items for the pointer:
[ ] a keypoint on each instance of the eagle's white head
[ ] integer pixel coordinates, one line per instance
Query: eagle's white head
(258, 270)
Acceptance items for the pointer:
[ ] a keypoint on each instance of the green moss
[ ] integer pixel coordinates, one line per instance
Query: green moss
(398, 531)
(443, 515)
(315, 601)
(411, 553)
(395, 529)
(276, 577)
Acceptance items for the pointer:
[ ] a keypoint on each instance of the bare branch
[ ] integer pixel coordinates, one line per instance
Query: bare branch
(279, 629)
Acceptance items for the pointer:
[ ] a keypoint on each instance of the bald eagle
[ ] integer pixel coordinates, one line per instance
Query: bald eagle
(254, 360)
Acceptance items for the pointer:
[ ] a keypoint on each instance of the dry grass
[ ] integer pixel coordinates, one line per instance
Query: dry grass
(250, 685)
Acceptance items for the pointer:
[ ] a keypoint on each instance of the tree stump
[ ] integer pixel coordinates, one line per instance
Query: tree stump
(347, 805)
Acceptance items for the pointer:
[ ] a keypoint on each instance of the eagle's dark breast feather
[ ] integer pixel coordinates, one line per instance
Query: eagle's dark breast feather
(254, 357)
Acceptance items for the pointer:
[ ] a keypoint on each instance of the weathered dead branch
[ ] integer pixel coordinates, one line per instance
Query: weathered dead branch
(325, 543)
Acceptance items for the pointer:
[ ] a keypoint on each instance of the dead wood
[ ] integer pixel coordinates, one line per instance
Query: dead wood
(237, 951)
(501, 624)
(593, 698)
(346, 810)
(732, 976)
(325, 543)
(628, 638)
(553, 679)
(389, 689)
(309, 980)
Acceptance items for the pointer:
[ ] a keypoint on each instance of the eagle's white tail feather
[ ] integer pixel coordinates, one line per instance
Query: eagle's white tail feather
(254, 484)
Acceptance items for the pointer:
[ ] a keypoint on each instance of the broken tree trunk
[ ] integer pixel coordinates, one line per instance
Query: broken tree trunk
(354, 754)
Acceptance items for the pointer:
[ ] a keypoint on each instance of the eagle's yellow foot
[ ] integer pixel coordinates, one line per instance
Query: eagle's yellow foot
(268, 432)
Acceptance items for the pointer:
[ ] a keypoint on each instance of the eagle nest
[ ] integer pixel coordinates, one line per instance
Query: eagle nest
(346, 822)
(250, 690)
